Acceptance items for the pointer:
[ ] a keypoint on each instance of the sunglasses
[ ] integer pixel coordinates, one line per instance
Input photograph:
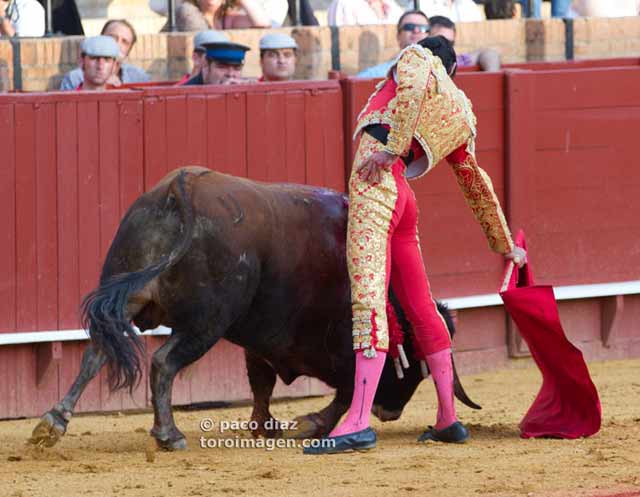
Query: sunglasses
(410, 26)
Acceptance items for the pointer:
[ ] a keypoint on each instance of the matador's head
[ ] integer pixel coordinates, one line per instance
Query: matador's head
(442, 48)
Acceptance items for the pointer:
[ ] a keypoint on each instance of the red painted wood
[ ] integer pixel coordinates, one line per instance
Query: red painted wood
(26, 202)
(47, 217)
(155, 141)
(197, 137)
(131, 154)
(294, 138)
(569, 154)
(88, 191)
(68, 215)
(8, 221)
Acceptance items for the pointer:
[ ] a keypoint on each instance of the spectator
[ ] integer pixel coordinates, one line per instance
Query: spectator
(559, 8)
(97, 62)
(358, 12)
(500, 9)
(199, 54)
(278, 57)
(200, 15)
(598, 8)
(487, 58)
(21, 18)
(223, 64)
(125, 36)
(456, 10)
(413, 26)
(65, 18)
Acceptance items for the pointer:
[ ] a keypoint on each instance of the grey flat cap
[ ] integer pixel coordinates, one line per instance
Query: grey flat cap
(208, 36)
(100, 46)
(275, 41)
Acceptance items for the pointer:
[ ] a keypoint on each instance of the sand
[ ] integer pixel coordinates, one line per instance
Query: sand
(105, 455)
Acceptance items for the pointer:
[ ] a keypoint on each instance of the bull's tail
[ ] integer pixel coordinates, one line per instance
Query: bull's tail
(104, 311)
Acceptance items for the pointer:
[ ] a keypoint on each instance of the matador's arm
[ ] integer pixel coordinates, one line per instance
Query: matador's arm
(478, 191)
(413, 71)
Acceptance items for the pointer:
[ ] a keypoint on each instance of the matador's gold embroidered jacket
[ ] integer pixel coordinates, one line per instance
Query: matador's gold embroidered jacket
(427, 106)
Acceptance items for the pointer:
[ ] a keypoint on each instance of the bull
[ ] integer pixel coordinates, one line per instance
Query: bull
(215, 256)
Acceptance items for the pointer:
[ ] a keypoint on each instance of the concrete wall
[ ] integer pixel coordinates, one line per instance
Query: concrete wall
(42, 62)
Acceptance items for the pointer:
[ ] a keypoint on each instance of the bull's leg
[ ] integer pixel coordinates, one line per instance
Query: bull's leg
(180, 350)
(262, 379)
(53, 423)
(319, 424)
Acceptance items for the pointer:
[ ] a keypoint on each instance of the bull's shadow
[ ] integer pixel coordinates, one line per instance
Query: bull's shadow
(214, 256)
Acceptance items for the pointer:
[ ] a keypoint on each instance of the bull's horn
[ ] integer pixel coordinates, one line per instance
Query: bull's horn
(424, 369)
(399, 372)
(403, 356)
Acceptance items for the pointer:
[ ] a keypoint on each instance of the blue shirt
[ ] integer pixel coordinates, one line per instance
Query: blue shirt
(128, 74)
(379, 71)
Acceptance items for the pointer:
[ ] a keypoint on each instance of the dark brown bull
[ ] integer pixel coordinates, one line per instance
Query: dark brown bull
(214, 256)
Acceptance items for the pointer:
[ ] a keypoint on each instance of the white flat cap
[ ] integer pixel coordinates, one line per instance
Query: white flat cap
(208, 36)
(100, 46)
(274, 41)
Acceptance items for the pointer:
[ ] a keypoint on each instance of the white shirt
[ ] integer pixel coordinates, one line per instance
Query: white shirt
(359, 12)
(610, 8)
(27, 18)
(456, 10)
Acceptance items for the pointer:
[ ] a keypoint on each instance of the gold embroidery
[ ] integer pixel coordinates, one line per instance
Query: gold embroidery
(478, 191)
(370, 212)
(433, 110)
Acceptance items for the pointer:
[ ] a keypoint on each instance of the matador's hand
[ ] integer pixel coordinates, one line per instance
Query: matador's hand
(370, 169)
(518, 255)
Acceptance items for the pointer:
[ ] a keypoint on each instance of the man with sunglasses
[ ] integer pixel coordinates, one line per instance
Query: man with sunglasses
(413, 26)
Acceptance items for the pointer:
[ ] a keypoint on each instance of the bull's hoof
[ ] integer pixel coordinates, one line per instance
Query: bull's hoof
(170, 442)
(267, 429)
(310, 426)
(50, 429)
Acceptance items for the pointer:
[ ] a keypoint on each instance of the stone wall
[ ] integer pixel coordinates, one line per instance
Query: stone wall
(42, 62)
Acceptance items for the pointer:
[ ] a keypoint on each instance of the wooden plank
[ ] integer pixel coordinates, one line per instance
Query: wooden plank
(110, 194)
(259, 148)
(26, 201)
(131, 156)
(8, 221)
(197, 138)
(47, 217)
(68, 216)
(295, 137)
(315, 159)
(176, 132)
(89, 136)
(155, 141)
(333, 140)
(605, 87)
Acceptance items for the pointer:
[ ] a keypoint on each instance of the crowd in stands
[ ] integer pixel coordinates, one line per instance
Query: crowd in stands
(216, 60)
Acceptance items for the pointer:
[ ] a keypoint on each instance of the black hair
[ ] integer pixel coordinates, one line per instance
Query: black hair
(499, 9)
(441, 47)
(443, 21)
(409, 12)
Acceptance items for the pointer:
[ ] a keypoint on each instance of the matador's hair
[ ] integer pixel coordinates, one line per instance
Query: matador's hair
(441, 47)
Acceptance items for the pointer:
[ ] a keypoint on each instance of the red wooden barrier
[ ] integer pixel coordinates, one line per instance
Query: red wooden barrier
(559, 146)
(75, 162)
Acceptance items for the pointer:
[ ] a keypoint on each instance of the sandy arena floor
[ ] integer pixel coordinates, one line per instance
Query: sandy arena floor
(108, 455)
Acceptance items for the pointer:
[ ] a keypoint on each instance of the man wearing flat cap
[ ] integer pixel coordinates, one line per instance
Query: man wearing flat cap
(222, 65)
(97, 61)
(278, 57)
(199, 54)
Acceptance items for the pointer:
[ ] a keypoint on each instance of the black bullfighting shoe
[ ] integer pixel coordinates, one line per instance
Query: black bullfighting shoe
(454, 433)
(360, 440)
